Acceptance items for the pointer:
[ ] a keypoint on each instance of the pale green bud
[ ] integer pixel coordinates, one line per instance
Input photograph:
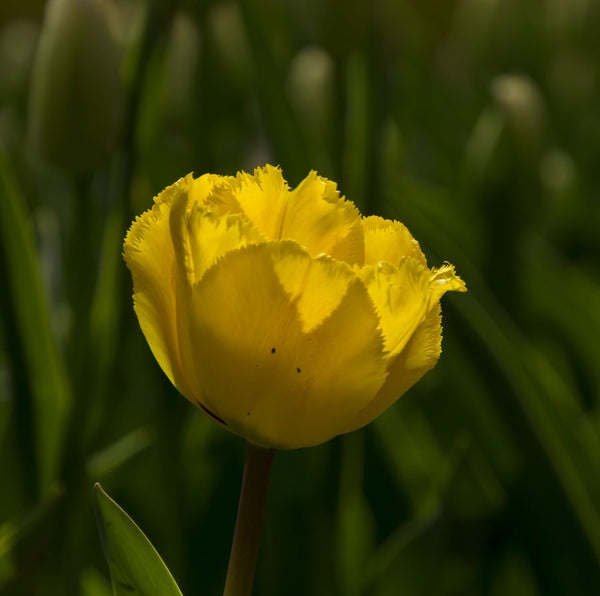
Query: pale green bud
(310, 85)
(522, 104)
(75, 93)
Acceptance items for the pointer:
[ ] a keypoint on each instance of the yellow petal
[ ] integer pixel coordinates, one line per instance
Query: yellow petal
(211, 236)
(201, 236)
(313, 214)
(184, 278)
(420, 355)
(265, 369)
(389, 241)
(200, 233)
(315, 286)
(204, 190)
(148, 252)
(401, 296)
(319, 219)
(422, 351)
(261, 197)
(202, 187)
(178, 219)
(444, 279)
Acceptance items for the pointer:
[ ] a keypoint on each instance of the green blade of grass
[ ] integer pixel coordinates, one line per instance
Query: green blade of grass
(135, 566)
(281, 121)
(355, 533)
(46, 372)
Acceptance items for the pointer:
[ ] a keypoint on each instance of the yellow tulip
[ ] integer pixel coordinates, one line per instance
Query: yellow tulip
(283, 313)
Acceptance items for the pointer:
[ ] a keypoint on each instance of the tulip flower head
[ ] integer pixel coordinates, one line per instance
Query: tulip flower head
(283, 313)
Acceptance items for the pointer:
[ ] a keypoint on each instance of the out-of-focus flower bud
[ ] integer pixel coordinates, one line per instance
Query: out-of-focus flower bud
(76, 91)
(311, 91)
(521, 102)
(311, 85)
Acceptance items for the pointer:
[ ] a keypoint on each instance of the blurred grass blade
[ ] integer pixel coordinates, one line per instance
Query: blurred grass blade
(135, 566)
(281, 120)
(393, 547)
(119, 452)
(355, 533)
(46, 372)
(17, 532)
(357, 131)
(8, 532)
(106, 317)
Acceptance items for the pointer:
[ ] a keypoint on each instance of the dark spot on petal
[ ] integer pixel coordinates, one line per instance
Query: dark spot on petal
(298, 370)
(272, 350)
(213, 416)
(248, 414)
(126, 586)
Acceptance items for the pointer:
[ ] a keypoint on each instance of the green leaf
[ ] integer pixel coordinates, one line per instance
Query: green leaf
(135, 566)
(93, 583)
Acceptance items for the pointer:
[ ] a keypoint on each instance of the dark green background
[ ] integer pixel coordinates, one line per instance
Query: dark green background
(476, 123)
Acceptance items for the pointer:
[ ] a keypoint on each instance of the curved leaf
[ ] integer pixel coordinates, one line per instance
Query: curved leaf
(135, 566)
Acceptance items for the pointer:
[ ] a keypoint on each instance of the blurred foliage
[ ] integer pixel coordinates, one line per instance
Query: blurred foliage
(475, 123)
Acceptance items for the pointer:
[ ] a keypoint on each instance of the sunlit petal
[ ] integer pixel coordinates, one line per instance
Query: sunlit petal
(401, 296)
(149, 254)
(389, 241)
(420, 355)
(262, 372)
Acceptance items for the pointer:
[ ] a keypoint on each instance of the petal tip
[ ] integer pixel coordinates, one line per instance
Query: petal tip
(445, 279)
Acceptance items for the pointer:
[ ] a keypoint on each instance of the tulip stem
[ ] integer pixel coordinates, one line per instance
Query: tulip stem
(246, 538)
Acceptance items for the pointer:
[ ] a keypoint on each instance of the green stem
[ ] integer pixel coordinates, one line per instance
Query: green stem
(246, 538)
